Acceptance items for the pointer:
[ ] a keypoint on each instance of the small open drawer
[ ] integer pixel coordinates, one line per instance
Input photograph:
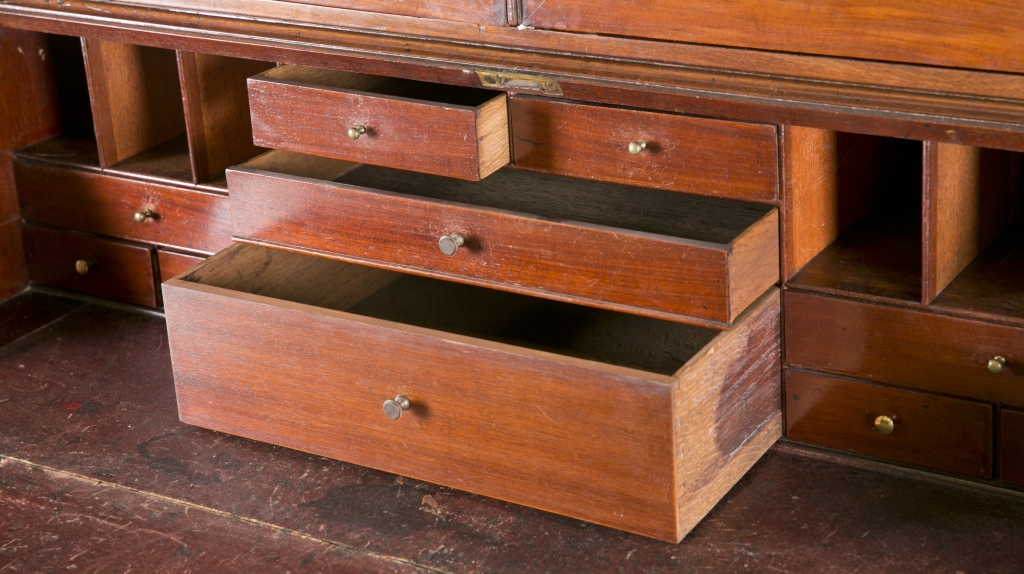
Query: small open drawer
(627, 421)
(431, 128)
(663, 254)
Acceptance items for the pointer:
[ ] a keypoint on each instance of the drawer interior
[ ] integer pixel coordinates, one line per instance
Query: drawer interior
(611, 337)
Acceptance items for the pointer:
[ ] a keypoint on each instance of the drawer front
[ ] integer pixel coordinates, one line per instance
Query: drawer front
(905, 347)
(675, 279)
(302, 116)
(112, 206)
(473, 11)
(112, 269)
(693, 155)
(926, 430)
(173, 264)
(1011, 447)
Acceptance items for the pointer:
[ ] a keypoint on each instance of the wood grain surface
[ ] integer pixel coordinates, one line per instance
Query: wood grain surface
(173, 263)
(905, 347)
(216, 107)
(475, 11)
(136, 97)
(106, 205)
(1011, 447)
(689, 154)
(657, 253)
(937, 432)
(443, 130)
(118, 270)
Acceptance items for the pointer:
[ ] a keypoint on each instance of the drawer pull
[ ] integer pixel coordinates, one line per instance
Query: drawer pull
(884, 424)
(449, 244)
(393, 407)
(83, 266)
(996, 364)
(356, 131)
(145, 214)
(636, 147)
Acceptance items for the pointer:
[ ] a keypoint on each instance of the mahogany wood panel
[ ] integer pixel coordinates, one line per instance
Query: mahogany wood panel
(1011, 447)
(527, 435)
(984, 34)
(651, 252)
(905, 347)
(474, 11)
(31, 112)
(829, 183)
(970, 195)
(136, 97)
(216, 102)
(173, 263)
(13, 275)
(443, 130)
(99, 203)
(765, 87)
(118, 270)
(694, 155)
(937, 432)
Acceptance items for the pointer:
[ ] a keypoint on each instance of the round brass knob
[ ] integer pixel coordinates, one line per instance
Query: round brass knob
(83, 266)
(636, 147)
(996, 364)
(145, 214)
(393, 407)
(356, 131)
(884, 424)
(449, 244)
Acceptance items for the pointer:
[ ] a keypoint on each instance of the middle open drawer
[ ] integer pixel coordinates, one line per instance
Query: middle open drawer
(663, 254)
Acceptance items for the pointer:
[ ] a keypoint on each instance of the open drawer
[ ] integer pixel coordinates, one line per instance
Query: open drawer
(632, 422)
(662, 254)
(431, 128)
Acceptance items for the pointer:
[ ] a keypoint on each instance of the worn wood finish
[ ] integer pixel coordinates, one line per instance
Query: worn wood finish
(98, 203)
(970, 195)
(904, 347)
(216, 103)
(474, 11)
(541, 406)
(449, 131)
(693, 155)
(937, 432)
(136, 97)
(984, 34)
(1011, 447)
(120, 271)
(651, 252)
(173, 263)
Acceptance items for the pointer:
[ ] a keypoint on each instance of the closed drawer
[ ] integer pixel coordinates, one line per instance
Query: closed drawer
(173, 264)
(904, 426)
(905, 347)
(1011, 447)
(123, 208)
(631, 422)
(445, 130)
(680, 153)
(662, 254)
(473, 11)
(101, 267)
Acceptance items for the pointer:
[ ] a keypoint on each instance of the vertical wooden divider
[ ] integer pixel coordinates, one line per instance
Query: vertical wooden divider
(970, 195)
(216, 102)
(136, 97)
(829, 182)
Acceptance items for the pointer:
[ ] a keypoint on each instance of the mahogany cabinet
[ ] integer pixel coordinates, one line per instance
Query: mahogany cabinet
(557, 253)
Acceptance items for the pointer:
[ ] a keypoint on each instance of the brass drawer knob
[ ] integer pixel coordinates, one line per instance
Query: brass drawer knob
(355, 131)
(996, 364)
(83, 266)
(884, 424)
(145, 214)
(393, 407)
(636, 147)
(449, 244)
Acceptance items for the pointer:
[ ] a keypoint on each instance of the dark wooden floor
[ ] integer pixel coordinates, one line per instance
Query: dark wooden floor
(98, 475)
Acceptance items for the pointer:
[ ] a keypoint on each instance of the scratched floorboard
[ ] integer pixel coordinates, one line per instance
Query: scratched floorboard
(92, 395)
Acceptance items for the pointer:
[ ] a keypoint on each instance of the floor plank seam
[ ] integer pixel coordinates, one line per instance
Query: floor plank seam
(221, 513)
